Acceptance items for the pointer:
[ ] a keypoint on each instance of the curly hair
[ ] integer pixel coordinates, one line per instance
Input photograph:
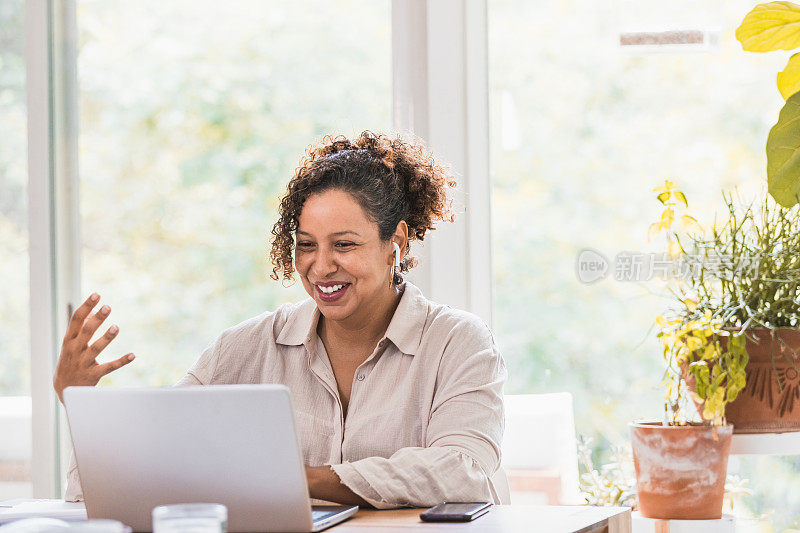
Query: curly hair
(392, 179)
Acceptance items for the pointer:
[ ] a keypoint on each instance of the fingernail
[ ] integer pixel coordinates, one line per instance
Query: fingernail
(131, 357)
(113, 329)
(105, 309)
(94, 297)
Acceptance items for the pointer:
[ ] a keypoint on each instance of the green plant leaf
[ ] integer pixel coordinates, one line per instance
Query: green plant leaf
(789, 78)
(783, 154)
(770, 26)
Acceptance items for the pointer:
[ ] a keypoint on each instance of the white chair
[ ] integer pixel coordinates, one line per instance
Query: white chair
(539, 449)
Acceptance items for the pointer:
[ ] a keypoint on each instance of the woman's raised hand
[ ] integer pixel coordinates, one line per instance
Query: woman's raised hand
(77, 363)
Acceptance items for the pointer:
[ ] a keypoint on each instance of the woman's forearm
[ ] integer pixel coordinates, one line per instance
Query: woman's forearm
(324, 484)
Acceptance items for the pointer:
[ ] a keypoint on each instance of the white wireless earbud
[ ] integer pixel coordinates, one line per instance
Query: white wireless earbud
(396, 255)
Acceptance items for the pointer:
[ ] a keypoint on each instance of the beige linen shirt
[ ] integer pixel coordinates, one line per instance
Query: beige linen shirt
(425, 418)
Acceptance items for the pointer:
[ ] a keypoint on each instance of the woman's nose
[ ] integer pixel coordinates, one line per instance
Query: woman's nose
(324, 264)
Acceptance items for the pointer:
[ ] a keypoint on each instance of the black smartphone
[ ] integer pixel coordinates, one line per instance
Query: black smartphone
(455, 511)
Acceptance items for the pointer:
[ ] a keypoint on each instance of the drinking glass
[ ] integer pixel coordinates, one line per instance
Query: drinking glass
(190, 518)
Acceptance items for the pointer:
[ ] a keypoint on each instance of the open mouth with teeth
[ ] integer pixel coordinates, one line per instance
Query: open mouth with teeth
(331, 289)
(331, 292)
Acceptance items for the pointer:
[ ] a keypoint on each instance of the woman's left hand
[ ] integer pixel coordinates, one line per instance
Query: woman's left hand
(324, 484)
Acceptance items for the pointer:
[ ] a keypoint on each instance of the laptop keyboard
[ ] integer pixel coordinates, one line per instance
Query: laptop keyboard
(321, 515)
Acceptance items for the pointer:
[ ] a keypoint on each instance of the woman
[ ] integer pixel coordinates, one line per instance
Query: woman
(398, 399)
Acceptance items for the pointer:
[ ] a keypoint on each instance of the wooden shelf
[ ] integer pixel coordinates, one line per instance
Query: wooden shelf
(766, 444)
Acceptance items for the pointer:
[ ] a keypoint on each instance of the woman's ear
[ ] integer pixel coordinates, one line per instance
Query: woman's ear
(401, 237)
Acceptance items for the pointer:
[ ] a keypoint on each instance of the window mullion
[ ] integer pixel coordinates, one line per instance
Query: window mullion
(67, 187)
(50, 53)
(440, 84)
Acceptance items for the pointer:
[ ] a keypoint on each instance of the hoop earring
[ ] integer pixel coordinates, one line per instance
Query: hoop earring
(396, 266)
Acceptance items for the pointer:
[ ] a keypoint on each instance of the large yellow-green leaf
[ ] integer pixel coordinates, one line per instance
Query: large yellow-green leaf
(770, 26)
(789, 78)
(783, 154)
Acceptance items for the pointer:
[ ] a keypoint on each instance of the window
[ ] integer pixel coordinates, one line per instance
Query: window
(193, 116)
(582, 130)
(15, 405)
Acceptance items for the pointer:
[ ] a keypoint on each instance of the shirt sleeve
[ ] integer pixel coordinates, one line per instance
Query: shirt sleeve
(74, 492)
(200, 373)
(465, 430)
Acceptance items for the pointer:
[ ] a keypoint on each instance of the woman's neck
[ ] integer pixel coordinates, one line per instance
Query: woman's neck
(365, 328)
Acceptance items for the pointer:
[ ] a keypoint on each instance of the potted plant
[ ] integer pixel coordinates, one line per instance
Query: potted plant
(754, 290)
(771, 402)
(731, 341)
(742, 278)
(681, 464)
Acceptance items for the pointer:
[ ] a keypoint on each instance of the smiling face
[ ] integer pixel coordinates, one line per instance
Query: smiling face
(343, 264)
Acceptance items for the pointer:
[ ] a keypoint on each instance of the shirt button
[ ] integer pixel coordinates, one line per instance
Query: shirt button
(360, 377)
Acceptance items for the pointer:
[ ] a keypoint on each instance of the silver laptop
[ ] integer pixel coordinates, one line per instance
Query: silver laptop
(231, 444)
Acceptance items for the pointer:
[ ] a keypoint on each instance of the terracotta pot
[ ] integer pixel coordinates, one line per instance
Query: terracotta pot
(763, 406)
(680, 470)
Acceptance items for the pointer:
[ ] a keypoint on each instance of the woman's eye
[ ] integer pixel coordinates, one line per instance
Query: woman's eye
(304, 245)
(344, 244)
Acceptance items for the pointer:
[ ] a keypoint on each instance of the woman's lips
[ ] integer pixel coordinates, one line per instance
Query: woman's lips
(332, 297)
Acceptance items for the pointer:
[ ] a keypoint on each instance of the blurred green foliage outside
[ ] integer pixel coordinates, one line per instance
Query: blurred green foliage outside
(193, 116)
(14, 332)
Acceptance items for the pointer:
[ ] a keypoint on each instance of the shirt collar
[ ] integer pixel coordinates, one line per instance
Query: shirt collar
(301, 324)
(405, 328)
(408, 322)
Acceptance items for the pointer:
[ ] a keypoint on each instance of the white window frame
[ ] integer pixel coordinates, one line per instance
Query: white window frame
(40, 227)
(53, 221)
(440, 93)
